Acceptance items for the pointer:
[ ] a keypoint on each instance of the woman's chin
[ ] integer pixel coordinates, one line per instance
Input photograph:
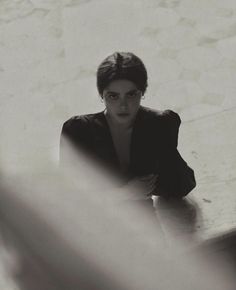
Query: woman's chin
(123, 120)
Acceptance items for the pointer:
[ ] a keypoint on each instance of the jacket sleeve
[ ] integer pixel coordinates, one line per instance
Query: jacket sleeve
(176, 178)
(72, 140)
(64, 145)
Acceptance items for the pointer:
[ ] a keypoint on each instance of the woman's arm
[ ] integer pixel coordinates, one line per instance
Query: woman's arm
(176, 179)
(74, 141)
(71, 130)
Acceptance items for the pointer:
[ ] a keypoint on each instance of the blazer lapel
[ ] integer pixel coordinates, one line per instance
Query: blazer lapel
(144, 144)
(103, 140)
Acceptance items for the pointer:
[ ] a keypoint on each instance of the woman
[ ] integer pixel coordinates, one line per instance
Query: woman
(137, 142)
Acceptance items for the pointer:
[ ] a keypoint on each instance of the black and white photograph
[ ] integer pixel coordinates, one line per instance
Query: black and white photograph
(117, 152)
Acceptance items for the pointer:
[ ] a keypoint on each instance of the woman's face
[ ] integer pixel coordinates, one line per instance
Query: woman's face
(122, 100)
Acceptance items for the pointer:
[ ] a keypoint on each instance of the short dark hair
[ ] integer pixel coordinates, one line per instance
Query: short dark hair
(122, 65)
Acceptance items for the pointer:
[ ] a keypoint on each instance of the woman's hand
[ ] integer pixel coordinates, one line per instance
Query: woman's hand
(141, 187)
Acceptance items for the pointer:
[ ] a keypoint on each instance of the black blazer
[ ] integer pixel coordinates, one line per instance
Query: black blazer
(153, 148)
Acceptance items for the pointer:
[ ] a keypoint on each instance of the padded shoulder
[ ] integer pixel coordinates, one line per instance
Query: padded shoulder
(172, 118)
(75, 120)
(166, 115)
(77, 124)
(170, 122)
(75, 131)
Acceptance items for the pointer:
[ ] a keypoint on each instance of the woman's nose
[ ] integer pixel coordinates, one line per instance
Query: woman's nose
(123, 103)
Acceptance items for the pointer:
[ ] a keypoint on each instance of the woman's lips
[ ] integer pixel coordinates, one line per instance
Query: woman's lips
(123, 114)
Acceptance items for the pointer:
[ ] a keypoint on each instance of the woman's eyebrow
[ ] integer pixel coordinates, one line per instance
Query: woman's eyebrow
(132, 91)
(111, 92)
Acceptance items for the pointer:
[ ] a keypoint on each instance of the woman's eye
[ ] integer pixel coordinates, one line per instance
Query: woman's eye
(113, 97)
(133, 94)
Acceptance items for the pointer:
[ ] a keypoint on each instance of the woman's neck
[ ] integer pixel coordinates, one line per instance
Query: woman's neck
(118, 126)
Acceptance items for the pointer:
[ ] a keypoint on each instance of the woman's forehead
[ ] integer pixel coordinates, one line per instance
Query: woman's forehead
(121, 86)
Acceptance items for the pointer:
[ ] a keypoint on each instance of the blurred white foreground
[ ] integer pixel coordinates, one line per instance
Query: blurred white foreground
(69, 231)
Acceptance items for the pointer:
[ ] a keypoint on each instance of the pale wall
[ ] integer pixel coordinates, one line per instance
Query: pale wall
(49, 52)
